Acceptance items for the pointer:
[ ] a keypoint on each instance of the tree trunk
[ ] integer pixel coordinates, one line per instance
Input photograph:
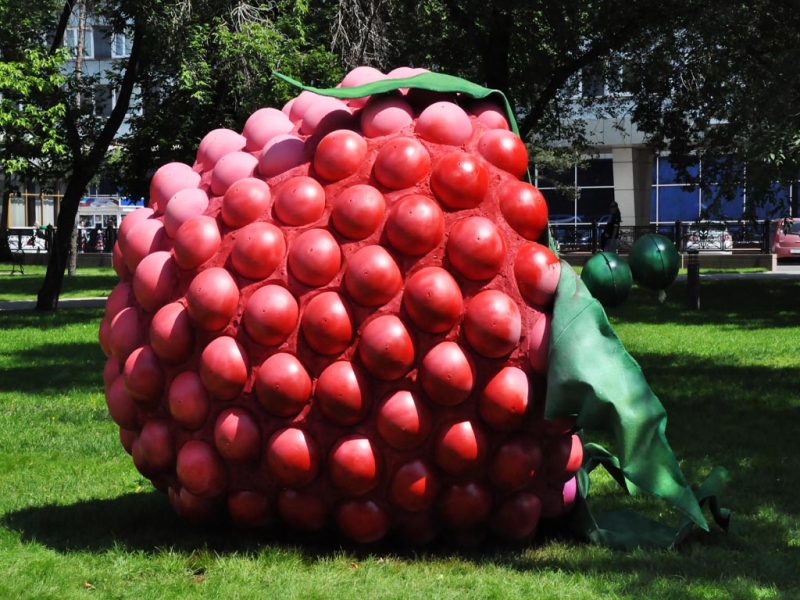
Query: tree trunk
(72, 259)
(5, 208)
(84, 169)
(47, 300)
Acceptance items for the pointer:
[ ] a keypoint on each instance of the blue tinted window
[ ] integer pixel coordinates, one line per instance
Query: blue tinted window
(666, 173)
(726, 209)
(596, 172)
(674, 204)
(772, 208)
(595, 203)
(559, 203)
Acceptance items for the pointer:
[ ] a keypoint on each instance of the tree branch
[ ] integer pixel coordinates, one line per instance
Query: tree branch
(61, 29)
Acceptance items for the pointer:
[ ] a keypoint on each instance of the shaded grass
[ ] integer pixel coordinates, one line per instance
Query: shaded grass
(78, 519)
(88, 282)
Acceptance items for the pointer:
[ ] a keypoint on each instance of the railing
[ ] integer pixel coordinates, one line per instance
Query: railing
(28, 239)
(585, 237)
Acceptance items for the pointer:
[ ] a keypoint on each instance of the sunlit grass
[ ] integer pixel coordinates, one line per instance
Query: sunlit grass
(88, 282)
(77, 520)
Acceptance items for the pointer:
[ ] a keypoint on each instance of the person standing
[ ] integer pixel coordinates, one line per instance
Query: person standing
(611, 230)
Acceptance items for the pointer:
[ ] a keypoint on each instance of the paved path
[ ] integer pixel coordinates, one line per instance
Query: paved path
(790, 272)
(62, 303)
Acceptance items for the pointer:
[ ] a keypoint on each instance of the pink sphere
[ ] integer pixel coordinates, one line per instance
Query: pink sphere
(231, 168)
(444, 123)
(167, 181)
(183, 206)
(263, 125)
(280, 154)
(216, 144)
(385, 115)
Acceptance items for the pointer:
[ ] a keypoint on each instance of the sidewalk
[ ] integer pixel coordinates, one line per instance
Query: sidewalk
(62, 303)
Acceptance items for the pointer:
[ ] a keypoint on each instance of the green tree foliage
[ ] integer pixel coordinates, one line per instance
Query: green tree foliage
(213, 68)
(30, 74)
(193, 65)
(725, 84)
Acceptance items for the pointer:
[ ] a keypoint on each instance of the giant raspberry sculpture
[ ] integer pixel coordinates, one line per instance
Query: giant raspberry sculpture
(340, 317)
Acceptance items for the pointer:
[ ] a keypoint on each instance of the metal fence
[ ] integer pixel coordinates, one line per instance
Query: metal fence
(571, 237)
(30, 240)
(586, 237)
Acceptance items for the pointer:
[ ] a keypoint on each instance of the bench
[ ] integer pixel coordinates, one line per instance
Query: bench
(15, 257)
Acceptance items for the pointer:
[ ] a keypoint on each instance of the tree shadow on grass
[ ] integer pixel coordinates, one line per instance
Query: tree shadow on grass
(20, 286)
(47, 321)
(145, 522)
(745, 304)
(54, 368)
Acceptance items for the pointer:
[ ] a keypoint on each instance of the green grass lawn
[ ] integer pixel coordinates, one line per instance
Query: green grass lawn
(78, 521)
(86, 283)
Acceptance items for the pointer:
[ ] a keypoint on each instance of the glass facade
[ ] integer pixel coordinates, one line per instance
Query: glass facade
(672, 200)
(584, 194)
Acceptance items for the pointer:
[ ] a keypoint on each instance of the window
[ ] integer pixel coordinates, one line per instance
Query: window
(120, 46)
(71, 40)
(592, 83)
(105, 98)
(584, 192)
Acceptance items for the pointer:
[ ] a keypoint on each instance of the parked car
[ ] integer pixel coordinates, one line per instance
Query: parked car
(787, 239)
(709, 238)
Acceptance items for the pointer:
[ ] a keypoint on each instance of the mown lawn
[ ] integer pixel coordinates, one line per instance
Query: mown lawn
(88, 282)
(78, 521)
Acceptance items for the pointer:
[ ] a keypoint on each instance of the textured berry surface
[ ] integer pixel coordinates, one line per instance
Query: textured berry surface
(339, 318)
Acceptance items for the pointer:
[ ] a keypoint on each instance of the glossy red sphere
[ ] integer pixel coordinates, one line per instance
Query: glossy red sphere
(492, 324)
(524, 208)
(342, 393)
(292, 457)
(415, 225)
(460, 448)
(200, 469)
(414, 486)
(315, 257)
(401, 163)
(144, 376)
(339, 154)
(299, 201)
(476, 248)
(504, 402)
(196, 241)
(446, 374)
(354, 465)
(283, 385)
(459, 181)
(258, 250)
(172, 334)
(386, 349)
(245, 201)
(358, 211)
(433, 300)
(212, 299)
(188, 400)
(237, 435)
(505, 151)
(270, 315)
(372, 277)
(224, 368)
(537, 271)
(326, 324)
(403, 420)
